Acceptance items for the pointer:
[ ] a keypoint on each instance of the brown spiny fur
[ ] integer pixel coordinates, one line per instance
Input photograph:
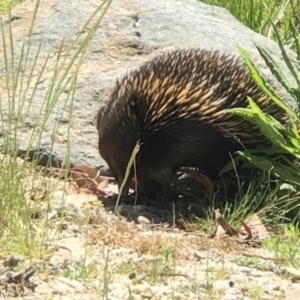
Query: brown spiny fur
(175, 105)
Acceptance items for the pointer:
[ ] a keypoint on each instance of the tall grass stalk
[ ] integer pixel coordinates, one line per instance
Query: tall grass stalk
(24, 70)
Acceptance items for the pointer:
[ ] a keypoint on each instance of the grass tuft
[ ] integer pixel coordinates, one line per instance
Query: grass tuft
(259, 15)
(24, 68)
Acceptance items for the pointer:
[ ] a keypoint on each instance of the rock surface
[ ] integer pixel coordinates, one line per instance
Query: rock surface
(132, 32)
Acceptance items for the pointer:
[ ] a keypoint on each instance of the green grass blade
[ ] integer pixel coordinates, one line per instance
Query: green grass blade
(127, 173)
(296, 39)
(285, 56)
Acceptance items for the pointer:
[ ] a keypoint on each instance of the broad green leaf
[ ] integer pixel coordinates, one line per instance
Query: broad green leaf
(260, 81)
(265, 125)
(268, 125)
(246, 113)
(278, 169)
(249, 116)
(261, 163)
(276, 123)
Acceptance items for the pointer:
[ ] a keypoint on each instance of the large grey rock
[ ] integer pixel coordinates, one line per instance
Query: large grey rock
(132, 32)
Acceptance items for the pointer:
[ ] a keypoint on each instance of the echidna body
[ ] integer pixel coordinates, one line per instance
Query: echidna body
(176, 107)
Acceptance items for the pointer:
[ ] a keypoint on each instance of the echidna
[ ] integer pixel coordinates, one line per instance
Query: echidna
(175, 105)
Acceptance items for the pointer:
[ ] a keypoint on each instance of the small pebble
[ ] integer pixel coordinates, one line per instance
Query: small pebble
(64, 226)
(143, 220)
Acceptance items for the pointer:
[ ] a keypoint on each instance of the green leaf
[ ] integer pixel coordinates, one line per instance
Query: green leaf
(296, 39)
(265, 125)
(285, 56)
(261, 163)
(276, 168)
(260, 81)
(127, 173)
(246, 113)
(271, 128)
(276, 123)
(230, 165)
(272, 65)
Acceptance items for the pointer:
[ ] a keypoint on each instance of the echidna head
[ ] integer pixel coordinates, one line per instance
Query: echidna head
(121, 125)
(115, 142)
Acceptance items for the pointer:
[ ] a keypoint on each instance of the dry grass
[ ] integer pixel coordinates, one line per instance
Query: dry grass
(111, 230)
(117, 232)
